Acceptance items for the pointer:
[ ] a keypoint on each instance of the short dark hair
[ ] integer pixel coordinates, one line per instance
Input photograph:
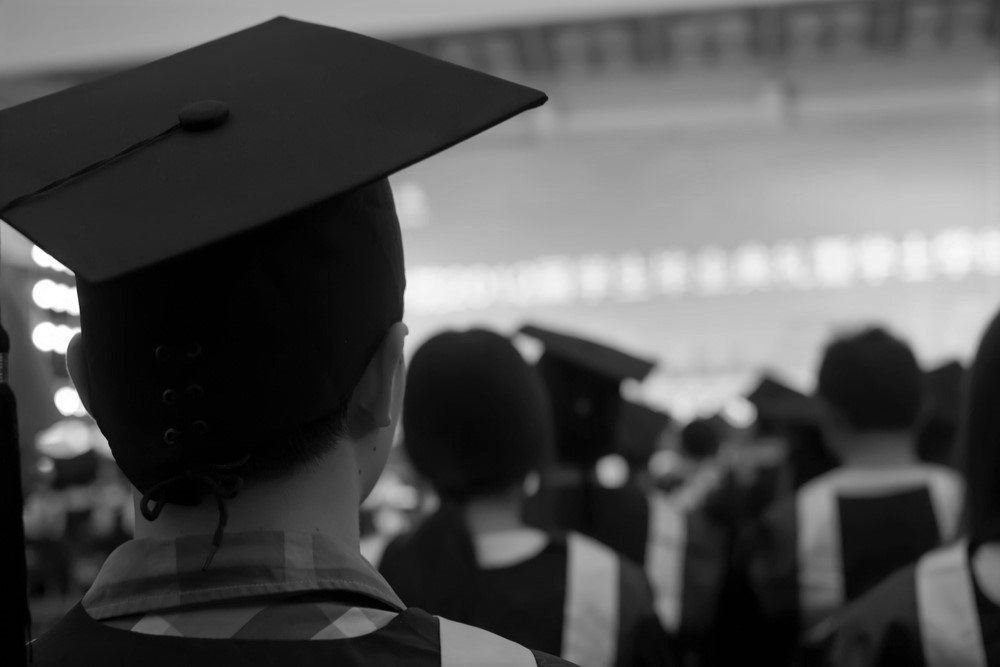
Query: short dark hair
(476, 417)
(301, 447)
(873, 380)
(979, 439)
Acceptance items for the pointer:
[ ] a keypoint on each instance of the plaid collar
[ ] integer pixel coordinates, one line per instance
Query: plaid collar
(147, 575)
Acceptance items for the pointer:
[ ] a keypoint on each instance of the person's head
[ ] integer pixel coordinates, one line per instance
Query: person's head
(476, 418)
(870, 383)
(979, 439)
(262, 350)
(699, 440)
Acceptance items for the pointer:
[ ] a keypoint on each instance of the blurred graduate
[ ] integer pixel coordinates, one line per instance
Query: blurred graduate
(842, 532)
(944, 611)
(686, 552)
(477, 422)
(681, 553)
(239, 264)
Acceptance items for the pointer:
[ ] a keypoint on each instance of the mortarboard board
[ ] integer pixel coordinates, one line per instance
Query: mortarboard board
(589, 355)
(226, 213)
(280, 116)
(584, 379)
(944, 385)
(777, 403)
(938, 426)
(237, 253)
(639, 430)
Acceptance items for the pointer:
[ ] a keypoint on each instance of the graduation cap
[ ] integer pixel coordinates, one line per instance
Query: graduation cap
(944, 385)
(700, 438)
(584, 379)
(639, 430)
(225, 210)
(778, 404)
(938, 427)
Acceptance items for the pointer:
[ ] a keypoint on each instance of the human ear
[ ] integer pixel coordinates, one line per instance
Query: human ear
(372, 403)
(76, 365)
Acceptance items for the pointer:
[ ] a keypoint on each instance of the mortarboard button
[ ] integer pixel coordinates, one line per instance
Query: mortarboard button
(203, 115)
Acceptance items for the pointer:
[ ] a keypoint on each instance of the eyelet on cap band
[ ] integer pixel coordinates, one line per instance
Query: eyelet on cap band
(194, 350)
(195, 392)
(169, 396)
(170, 436)
(200, 427)
(162, 352)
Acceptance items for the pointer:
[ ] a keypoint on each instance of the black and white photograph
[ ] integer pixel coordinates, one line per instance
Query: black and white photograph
(521, 333)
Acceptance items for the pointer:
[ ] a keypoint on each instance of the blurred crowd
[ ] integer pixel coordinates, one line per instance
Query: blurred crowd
(746, 539)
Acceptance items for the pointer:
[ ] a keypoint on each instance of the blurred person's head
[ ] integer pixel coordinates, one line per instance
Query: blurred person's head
(871, 385)
(979, 439)
(699, 440)
(476, 415)
(938, 430)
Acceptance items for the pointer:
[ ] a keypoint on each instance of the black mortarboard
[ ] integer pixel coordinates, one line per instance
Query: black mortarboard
(700, 438)
(778, 404)
(476, 415)
(944, 385)
(584, 380)
(226, 212)
(594, 357)
(939, 426)
(639, 430)
(305, 112)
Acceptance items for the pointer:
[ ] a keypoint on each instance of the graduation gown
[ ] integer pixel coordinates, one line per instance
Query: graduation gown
(839, 536)
(618, 517)
(576, 598)
(683, 553)
(931, 614)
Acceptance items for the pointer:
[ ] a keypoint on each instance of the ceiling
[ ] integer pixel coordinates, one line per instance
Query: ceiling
(45, 35)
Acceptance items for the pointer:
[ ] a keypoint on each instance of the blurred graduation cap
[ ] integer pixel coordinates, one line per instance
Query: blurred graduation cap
(639, 430)
(584, 379)
(944, 385)
(226, 213)
(779, 405)
(939, 426)
(700, 438)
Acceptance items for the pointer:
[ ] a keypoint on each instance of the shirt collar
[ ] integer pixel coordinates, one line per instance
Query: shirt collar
(147, 575)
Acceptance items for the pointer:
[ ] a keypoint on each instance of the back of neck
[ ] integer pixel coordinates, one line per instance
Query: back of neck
(880, 449)
(322, 498)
